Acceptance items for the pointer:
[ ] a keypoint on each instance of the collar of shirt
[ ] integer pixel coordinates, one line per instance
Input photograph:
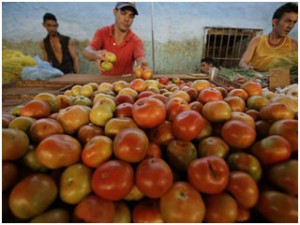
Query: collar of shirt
(128, 36)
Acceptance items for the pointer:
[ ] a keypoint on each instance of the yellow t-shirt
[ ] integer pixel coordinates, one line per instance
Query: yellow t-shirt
(266, 57)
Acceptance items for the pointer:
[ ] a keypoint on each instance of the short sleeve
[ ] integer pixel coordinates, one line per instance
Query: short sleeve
(97, 41)
(139, 49)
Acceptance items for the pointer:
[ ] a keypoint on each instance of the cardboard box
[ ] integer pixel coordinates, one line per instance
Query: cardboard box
(279, 77)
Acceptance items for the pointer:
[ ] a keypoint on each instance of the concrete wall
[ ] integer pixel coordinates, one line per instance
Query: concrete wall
(178, 27)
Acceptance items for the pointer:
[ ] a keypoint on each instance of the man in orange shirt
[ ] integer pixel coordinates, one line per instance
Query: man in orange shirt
(263, 51)
(120, 40)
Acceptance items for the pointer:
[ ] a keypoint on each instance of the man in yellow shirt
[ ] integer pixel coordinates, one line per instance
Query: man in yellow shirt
(264, 51)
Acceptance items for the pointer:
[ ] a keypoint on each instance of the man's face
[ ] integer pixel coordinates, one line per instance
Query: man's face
(51, 27)
(124, 18)
(205, 67)
(285, 24)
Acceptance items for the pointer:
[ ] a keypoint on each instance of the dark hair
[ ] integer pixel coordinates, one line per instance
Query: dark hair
(286, 8)
(49, 16)
(208, 59)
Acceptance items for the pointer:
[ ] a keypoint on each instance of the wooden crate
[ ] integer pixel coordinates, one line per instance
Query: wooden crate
(224, 82)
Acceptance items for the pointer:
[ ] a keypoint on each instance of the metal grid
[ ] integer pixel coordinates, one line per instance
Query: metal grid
(227, 45)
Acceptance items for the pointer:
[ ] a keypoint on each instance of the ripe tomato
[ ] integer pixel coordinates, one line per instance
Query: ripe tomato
(113, 180)
(216, 111)
(243, 188)
(32, 196)
(209, 94)
(56, 215)
(272, 149)
(58, 150)
(257, 102)
(288, 129)
(199, 85)
(131, 145)
(208, 174)
(213, 146)
(187, 125)
(174, 106)
(243, 117)
(276, 111)
(161, 134)
(262, 128)
(220, 208)
(96, 151)
(278, 207)
(238, 92)
(36, 109)
(124, 110)
(238, 134)
(88, 131)
(237, 104)
(153, 151)
(182, 204)
(93, 209)
(122, 212)
(252, 88)
(147, 211)
(9, 174)
(153, 177)
(149, 112)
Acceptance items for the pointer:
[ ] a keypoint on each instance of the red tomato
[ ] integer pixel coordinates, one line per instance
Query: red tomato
(237, 104)
(213, 146)
(88, 131)
(131, 145)
(216, 111)
(252, 88)
(149, 112)
(288, 129)
(147, 211)
(153, 151)
(187, 125)
(276, 111)
(174, 106)
(220, 208)
(58, 150)
(36, 109)
(113, 180)
(238, 134)
(209, 94)
(161, 134)
(153, 177)
(238, 92)
(182, 204)
(243, 188)
(93, 209)
(277, 207)
(272, 149)
(124, 110)
(208, 174)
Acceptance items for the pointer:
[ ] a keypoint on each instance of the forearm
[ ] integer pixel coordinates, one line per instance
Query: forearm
(91, 54)
(76, 65)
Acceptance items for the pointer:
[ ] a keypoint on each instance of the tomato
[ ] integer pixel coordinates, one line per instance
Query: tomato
(196, 106)
(87, 132)
(182, 204)
(237, 104)
(238, 92)
(244, 215)
(131, 145)
(278, 207)
(243, 117)
(75, 183)
(213, 146)
(243, 188)
(253, 113)
(290, 101)
(161, 134)
(206, 131)
(36, 109)
(216, 111)
(115, 125)
(149, 112)
(272, 149)
(223, 91)
(288, 129)
(220, 208)
(96, 151)
(138, 84)
(209, 94)
(193, 93)
(153, 177)
(14, 143)
(174, 106)
(43, 128)
(276, 111)
(238, 134)
(134, 195)
(181, 94)
(284, 175)
(208, 174)
(199, 85)
(57, 215)
(154, 151)
(147, 211)
(245, 162)
(124, 110)
(122, 213)
(252, 88)
(180, 154)
(262, 128)
(58, 150)
(187, 125)
(257, 102)
(9, 175)
(113, 180)
(93, 209)
(32, 196)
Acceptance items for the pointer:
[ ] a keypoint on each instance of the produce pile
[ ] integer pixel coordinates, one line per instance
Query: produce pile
(13, 62)
(152, 151)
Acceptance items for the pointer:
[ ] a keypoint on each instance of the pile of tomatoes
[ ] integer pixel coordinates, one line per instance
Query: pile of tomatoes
(152, 151)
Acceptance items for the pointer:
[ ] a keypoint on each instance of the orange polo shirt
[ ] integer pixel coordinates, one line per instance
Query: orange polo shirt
(127, 52)
(265, 56)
